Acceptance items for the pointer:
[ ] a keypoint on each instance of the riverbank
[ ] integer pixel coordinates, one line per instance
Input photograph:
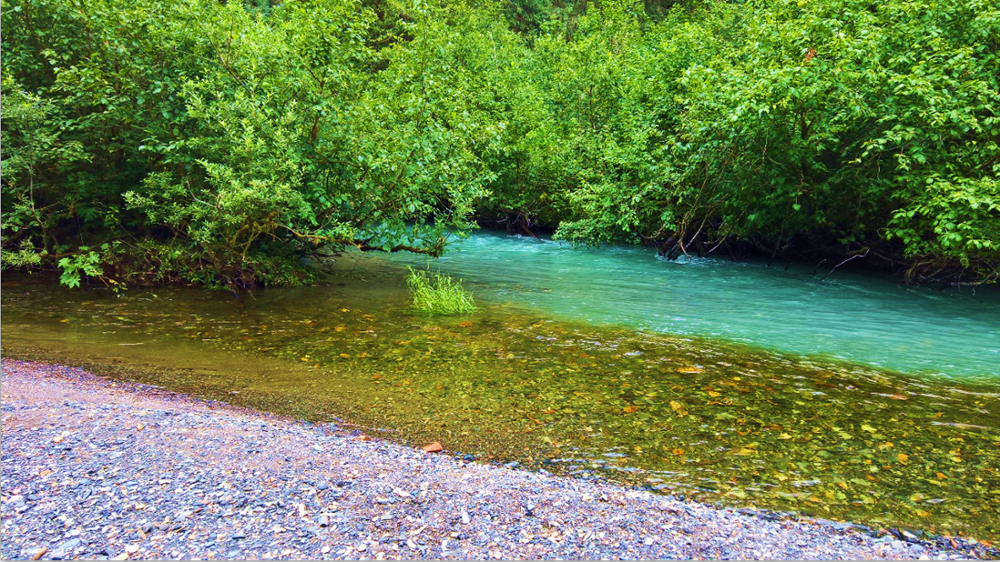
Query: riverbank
(94, 468)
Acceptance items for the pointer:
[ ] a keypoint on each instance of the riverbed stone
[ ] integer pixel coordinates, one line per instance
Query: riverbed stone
(220, 460)
(434, 447)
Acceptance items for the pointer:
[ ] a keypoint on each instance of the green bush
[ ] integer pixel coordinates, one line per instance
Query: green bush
(434, 293)
(237, 138)
(218, 143)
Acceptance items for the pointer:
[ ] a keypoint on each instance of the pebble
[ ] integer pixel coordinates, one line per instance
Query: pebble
(207, 480)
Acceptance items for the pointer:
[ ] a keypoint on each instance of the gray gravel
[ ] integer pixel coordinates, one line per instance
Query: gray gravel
(97, 469)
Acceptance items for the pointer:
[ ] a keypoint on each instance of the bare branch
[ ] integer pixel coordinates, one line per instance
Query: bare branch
(843, 262)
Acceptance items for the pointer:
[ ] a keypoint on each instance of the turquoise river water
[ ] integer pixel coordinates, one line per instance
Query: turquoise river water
(853, 398)
(849, 316)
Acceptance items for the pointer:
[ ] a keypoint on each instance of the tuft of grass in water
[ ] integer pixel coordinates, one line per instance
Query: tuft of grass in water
(434, 293)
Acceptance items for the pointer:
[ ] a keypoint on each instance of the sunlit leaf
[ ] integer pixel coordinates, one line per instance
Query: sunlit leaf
(678, 407)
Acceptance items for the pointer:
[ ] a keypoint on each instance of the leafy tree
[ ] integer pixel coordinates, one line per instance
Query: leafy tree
(36, 155)
(820, 125)
(220, 142)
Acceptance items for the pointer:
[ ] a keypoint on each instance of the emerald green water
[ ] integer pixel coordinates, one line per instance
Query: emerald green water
(850, 317)
(579, 365)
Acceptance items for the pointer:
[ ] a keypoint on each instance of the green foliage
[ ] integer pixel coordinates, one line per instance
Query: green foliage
(74, 268)
(959, 219)
(220, 143)
(235, 148)
(832, 116)
(24, 258)
(36, 154)
(434, 293)
(789, 125)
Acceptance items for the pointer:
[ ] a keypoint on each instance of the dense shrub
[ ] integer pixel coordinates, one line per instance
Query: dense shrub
(218, 143)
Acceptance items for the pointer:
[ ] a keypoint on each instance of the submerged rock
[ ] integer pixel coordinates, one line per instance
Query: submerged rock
(434, 447)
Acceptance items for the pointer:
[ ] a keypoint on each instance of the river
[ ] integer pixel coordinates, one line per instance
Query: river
(848, 316)
(731, 382)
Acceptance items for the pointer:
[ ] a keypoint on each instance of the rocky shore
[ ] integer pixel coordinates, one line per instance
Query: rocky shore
(98, 469)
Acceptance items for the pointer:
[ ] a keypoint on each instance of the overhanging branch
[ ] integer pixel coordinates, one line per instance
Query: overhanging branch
(366, 246)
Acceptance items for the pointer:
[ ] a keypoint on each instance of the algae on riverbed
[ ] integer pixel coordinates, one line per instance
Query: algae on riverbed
(712, 421)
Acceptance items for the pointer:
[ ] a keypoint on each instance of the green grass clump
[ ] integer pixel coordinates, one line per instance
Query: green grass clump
(434, 293)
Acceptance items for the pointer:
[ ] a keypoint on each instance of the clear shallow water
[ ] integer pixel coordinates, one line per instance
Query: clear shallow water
(522, 380)
(850, 317)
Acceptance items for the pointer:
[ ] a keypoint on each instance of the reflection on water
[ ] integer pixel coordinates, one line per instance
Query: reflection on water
(703, 418)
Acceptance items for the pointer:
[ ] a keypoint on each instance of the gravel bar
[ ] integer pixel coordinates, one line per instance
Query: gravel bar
(97, 469)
